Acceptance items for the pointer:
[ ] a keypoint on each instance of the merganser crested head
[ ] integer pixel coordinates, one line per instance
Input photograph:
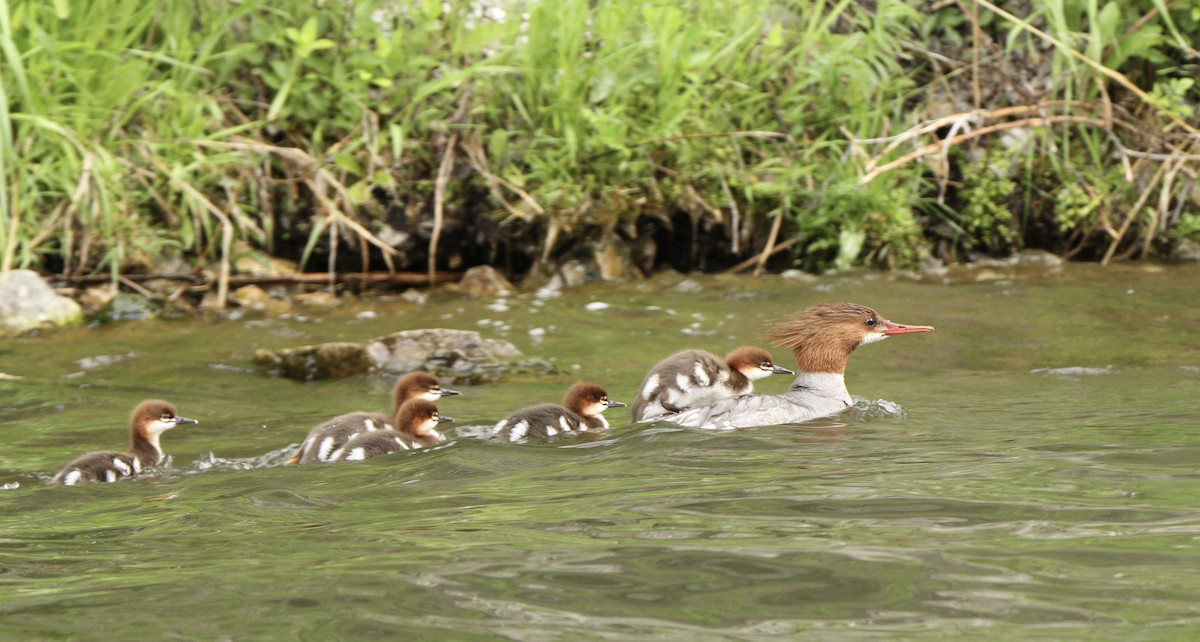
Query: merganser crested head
(149, 420)
(418, 419)
(823, 336)
(588, 400)
(418, 385)
(754, 363)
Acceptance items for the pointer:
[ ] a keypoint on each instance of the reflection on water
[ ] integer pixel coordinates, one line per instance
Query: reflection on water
(1027, 470)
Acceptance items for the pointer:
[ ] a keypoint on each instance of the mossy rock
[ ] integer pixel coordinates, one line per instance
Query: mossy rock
(457, 356)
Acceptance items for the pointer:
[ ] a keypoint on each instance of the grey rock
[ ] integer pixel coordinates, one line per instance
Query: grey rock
(457, 356)
(29, 303)
(485, 281)
(1186, 250)
(126, 306)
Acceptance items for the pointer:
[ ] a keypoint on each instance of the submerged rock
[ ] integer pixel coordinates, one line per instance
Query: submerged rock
(126, 306)
(256, 298)
(485, 281)
(458, 356)
(29, 303)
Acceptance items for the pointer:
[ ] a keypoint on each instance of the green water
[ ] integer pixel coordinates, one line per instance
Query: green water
(1014, 499)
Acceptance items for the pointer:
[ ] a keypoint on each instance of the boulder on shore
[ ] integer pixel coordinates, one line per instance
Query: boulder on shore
(457, 356)
(485, 281)
(29, 303)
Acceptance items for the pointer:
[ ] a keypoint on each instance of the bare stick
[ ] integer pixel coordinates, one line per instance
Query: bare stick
(734, 216)
(439, 201)
(769, 248)
(750, 262)
(983, 131)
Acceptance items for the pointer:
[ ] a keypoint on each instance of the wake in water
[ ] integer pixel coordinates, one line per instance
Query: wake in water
(269, 459)
(868, 410)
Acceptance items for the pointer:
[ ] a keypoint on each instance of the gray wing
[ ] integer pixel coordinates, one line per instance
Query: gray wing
(752, 410)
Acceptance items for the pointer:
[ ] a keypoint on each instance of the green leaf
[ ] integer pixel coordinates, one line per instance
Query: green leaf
(850, 244)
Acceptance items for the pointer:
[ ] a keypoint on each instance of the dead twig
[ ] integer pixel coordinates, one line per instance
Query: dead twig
(983, 131)
(439, 200)
(769, 249)
(757, 258)
(1119, 235)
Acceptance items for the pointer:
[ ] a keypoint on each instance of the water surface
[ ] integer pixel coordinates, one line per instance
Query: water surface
(1040, 480)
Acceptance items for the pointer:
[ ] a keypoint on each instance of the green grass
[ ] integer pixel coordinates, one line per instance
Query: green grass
(131, 131)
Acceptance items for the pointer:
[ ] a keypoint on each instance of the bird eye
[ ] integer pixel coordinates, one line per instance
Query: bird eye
(870, 321)
(766, 365)
(165, 417)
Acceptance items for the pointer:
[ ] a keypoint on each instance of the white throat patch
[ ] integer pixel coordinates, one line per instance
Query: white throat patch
(872, 337)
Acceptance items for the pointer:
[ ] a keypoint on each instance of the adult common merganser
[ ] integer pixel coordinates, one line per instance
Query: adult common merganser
(822, 338)
(580, 412)
(150, 419)
(694, 378)
(327, 437)
(416, 427)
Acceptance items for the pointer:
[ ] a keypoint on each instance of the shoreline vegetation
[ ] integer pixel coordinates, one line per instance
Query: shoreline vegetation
(421, 139)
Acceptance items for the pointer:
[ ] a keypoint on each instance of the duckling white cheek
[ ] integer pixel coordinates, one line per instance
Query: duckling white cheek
(158, 426)
(756, 374)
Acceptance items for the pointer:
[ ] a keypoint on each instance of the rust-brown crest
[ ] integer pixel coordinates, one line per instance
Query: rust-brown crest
(823, 336)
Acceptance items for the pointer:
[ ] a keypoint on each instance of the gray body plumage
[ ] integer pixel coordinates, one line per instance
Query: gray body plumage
(327, 438)
(104, 466)
(811, 396)
(544, 420)
(366, 445)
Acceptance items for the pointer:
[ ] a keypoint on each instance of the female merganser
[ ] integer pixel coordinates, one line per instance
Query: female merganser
(150, 419)
(694, 378)
(327, 437)
(416, 424)
(580, 412)
(822, 337)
